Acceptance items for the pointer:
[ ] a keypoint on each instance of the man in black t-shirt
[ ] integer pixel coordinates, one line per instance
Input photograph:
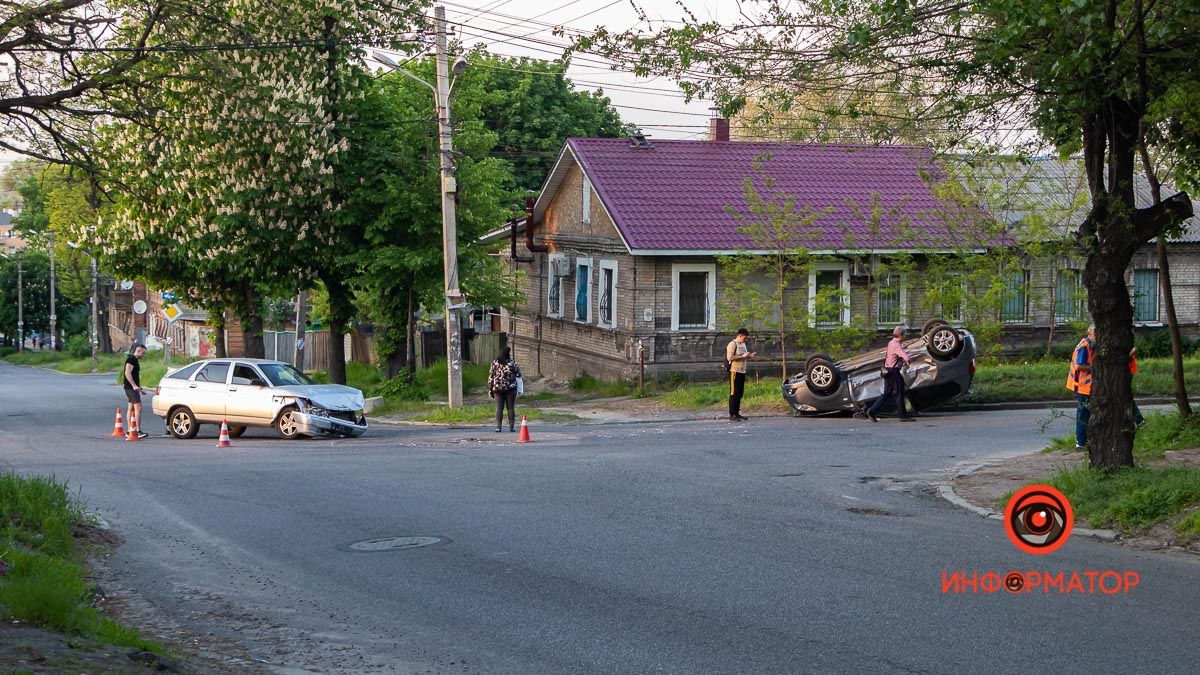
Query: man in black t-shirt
(133, 386)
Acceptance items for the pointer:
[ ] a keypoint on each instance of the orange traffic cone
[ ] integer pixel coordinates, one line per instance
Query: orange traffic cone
(524, 438)
(223, 441)
(118, 425)
(134, 432)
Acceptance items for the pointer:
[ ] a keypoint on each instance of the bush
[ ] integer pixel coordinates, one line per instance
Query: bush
(401, 388)
(79, 347)
(1156, 343)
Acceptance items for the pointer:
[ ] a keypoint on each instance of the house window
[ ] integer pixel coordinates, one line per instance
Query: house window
(693, 297)
(554, 276)
(583, 290)
(587, 200)
(1016, 297)
(1068, 297)
(608, 293)
(829, 295)
(889, 310)
(1145, 296)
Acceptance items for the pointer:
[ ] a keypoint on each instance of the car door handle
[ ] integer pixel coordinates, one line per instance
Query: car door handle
(233, 389)
(191, 386)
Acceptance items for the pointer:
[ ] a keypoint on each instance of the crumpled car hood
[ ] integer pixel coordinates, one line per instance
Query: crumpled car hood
(328, 396)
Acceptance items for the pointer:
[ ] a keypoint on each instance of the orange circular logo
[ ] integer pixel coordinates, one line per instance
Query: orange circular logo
(1038, 519)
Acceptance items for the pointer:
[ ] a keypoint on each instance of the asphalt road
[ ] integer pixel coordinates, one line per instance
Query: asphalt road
(778, 545)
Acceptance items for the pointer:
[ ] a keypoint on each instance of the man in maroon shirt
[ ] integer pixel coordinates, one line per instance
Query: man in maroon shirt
(893, 384)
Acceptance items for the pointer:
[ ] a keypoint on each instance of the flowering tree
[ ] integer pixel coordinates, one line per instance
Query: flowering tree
(227, 190)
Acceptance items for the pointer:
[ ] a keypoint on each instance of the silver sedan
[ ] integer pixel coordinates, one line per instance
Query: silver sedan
(256, 393)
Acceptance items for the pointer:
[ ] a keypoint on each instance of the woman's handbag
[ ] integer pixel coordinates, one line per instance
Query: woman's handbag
(520, 385)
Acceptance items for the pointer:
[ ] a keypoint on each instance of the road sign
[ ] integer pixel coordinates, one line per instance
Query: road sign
(169, 296)
(139, 307)
(172, 312)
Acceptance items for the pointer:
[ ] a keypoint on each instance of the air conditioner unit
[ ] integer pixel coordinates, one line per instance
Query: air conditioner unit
(560, 267)
(861, 268)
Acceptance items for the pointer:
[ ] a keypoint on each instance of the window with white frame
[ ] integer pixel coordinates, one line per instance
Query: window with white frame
(587, 200)
(829, 295)
(606, 288)
(1016, 297)
(555, 263)
(891, 297)
(583, 290)
(1068, 296)
(693, 296)
(1145, 296)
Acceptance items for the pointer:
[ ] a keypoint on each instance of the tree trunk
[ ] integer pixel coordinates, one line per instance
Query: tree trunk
(252, 327)
(219, 336)
(1110, 429)
(1164, 280)
(339, 302)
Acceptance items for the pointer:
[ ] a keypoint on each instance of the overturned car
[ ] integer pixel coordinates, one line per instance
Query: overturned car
(941, 370)
(256, 393)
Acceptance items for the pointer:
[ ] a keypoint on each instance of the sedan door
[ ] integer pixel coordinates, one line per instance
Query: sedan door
(249, 400)
(207, 392)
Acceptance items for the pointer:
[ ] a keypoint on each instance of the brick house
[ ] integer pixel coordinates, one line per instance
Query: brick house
(630, 233)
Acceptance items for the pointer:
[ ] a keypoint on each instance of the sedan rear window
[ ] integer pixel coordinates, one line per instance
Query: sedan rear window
(213, 372)
(186, 371)
(282, 375)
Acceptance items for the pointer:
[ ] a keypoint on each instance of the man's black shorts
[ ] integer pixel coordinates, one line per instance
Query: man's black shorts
(133, 395)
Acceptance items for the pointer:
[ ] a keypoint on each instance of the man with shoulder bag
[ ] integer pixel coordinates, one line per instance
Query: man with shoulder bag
(894, 363)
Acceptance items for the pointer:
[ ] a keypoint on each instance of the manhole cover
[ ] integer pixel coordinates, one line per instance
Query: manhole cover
(394, 543)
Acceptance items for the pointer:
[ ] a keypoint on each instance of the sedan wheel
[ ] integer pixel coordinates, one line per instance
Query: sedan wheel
(183, 423)
(287, 425)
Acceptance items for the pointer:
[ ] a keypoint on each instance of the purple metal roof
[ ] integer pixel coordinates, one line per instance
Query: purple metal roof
(673, 196)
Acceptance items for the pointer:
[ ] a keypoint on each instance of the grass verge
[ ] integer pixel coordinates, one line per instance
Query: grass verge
(1160, 433)
(153, 368)
(1133, 499)
(1045, 380)
(43, 580)
(484, 413)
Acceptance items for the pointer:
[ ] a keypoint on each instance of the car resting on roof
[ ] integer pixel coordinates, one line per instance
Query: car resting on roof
(942, 367)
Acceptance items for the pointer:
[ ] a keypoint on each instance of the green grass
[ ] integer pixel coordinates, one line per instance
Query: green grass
(1045, 380)
(433, 378)
(152, 365)
(483, 413)
(1131, 499)
(1189, 525)
(45, 583)
(1160, 433)
(587, 384)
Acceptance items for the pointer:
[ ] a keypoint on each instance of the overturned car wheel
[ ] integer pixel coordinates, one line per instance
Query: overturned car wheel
(943, 342)
(823, 377)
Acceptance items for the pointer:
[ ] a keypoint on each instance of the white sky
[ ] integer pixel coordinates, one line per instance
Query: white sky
(525, 28)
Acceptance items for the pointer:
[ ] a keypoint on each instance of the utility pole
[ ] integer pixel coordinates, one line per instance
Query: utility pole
(95, 316)
(20, 306)
(53, 316)
(301, 317)
(449, 227)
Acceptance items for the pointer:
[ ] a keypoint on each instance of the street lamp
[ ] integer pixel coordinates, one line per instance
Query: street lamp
(20, 304)
(454, 296)
(95, 334)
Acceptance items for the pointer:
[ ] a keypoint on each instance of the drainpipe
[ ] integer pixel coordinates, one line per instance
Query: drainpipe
(533, 248)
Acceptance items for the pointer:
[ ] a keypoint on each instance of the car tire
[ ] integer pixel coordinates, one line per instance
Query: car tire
(286, 425)
(822, 376)
(943, 342)
(819, 355)
(182, 423)
(929, 325)
(236, 431)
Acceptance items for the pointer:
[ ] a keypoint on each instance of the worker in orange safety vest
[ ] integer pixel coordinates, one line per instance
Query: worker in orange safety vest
(1079, 380)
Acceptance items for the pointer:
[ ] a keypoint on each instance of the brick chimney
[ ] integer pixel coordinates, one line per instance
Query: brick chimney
(718, 129)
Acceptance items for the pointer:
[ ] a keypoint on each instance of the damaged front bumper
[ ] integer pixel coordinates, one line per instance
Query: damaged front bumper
(311, 424)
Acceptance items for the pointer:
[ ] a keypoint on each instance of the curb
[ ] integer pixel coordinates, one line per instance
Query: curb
(946, 491)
